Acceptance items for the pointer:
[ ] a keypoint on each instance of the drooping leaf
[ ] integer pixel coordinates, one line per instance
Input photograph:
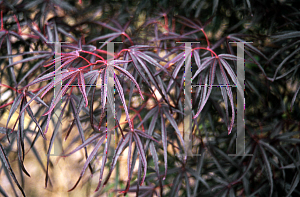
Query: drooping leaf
(8, 168)
(268, 169)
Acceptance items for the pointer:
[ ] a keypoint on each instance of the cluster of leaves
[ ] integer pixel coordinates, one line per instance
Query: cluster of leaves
(149, 64)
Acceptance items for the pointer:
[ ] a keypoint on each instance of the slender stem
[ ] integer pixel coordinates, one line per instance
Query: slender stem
(1, 20)
(2, 106)
(17, 21)
(207, 49)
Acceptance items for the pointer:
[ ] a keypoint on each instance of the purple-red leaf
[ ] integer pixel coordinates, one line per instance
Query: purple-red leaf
(8, 167)
(89, 159)
(164, 142)
(121, 94)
